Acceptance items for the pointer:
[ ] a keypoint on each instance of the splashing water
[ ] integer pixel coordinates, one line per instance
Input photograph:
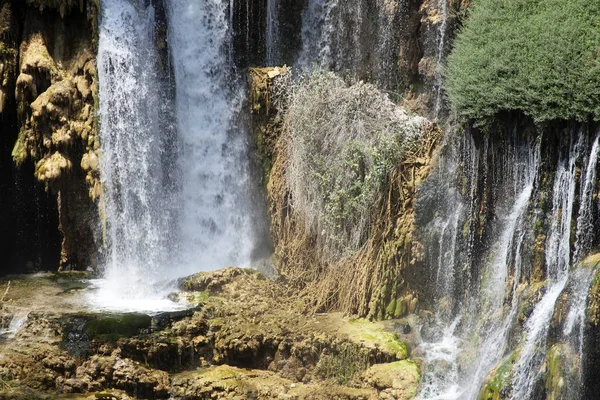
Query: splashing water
(215, 214)
(174, 199)
(17, 322)
(137, 209)
(487, 317)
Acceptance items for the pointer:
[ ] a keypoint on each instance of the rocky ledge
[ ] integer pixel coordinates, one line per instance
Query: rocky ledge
(245, 337)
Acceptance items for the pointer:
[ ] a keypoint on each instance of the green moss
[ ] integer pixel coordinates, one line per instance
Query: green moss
(198, 297)
(404, 366)
(373, 334)
(401, 308)
(19, 151)
(113, 327)
(554, 379)
(591, 261)
(405, 371)
(594, 301)
(390, 310)
(501, 376)
(539, 57)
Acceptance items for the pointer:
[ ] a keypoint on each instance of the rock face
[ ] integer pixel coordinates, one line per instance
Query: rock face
(50, 95)
(245, 337)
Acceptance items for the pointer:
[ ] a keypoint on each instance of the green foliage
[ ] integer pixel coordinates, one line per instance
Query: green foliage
(541, 57)
(344, 142)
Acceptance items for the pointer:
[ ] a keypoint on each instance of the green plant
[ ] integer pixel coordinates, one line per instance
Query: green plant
(540, 57)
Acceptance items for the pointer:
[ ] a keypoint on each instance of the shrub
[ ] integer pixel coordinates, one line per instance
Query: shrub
(541, 57)
(343, 143)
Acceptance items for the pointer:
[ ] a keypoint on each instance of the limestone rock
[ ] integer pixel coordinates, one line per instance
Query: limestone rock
(395, 381)
(51, 168)
(55, 86)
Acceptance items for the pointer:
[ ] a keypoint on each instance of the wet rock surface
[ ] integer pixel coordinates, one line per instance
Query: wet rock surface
(244, 336)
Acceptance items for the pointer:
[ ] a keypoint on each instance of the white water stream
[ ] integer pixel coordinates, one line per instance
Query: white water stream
(585, 220)
(558, 260)
(318, 28)
(137, 210)
(272, 35)
(484, 332)
(174, 205)
(214, 221)
(443, 26)
(490, 324)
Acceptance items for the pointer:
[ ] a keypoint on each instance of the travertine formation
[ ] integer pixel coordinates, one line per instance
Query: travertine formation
(55, 94)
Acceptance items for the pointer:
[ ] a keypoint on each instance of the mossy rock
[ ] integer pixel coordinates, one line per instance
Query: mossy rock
(390, 310)
(19, 151)
(495, 386)
(113, 327)
(232, 382)
(562, 371)
(591, 261)
(402, 377)
(398, 308)
(373, 334)
(593, 310)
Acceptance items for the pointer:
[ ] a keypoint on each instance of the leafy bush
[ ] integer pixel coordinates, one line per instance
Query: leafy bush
(343, 143)
(541, 57)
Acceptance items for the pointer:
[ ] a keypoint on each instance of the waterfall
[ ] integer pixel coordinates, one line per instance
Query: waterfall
(495, 288)
(490, 318)
(443, 8)
(136, 207)
(214, 223)
(585, 220)
(573, 330)
(494, 322)
(318, 26)
(558, 258)
(175, 192)
(272, 32)
(483, 314)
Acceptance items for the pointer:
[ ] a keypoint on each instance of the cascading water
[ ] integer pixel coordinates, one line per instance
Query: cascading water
(443, 9)
(353, 38)
(174, 202)
(272, 32)
(558, 259)
(317, 32)
(214, 223)
(585, 220)
(573, 331)
(490, 319)
(495, 323)
(491, 323)
(137, 208)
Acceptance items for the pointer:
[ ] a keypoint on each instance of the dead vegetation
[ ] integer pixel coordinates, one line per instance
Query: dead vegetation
(345, 167)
